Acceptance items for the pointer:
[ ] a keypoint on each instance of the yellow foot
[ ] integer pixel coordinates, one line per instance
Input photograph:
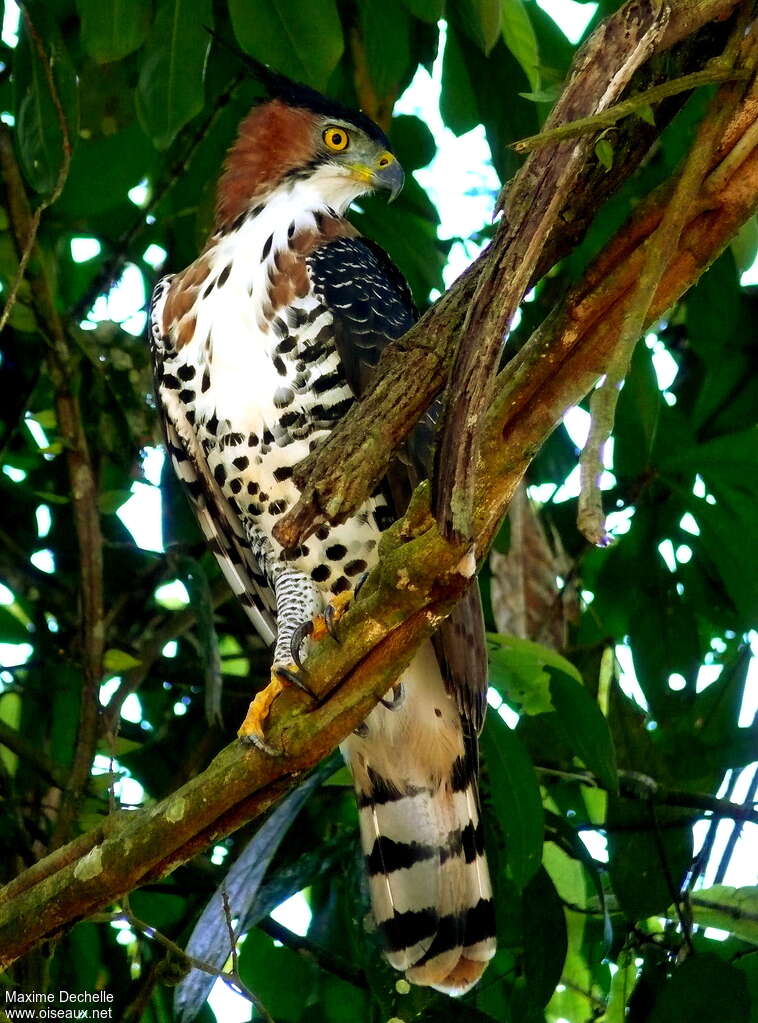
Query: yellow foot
(253, 728)
(325, 624)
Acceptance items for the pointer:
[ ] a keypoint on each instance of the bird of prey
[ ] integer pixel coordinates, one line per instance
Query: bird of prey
(260, 346)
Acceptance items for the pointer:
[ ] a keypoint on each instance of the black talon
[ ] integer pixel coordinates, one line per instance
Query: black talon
(357, 587)
(296, 680)
(397, 698)
(301, 633)
(361, 731)
(331, 625)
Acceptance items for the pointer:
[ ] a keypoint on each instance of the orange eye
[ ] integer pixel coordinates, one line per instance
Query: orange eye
(336, 139)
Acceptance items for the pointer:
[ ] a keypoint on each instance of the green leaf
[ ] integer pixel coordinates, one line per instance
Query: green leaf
(10, 714)
(744, 245)
(731, 458)
(516, 798)
(729, 539)
(170, 88)
(47, 419)
(637, 415)
(604, 153)
(481, 20)
(521, 40)
(622, 986)
(426, 10)
(646, 114)
(12, 629)
(298, 37)
(748, 966)
(112, 30)
(649, 854)
(545, 938)
(385, 32)
(704, 987)
(548, 95)
(281, 978)
(117, 661)
(584, 726)
(458, 102)
(518, 671)
(731, 909)
(568, 876)
(412, 141)
(38, 126)
(109, 501)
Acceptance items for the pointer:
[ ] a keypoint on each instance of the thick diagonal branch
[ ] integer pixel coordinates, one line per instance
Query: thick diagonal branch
(337, 477)
(531, 206)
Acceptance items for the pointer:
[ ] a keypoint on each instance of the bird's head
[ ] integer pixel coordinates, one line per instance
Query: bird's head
(299, 135)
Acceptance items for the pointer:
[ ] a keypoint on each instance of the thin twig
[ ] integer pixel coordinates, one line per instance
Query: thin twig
(607, 118)
(230, 929)
(325, 959)
(232, 979)
(736, 831)
(678, 897)
(31, 237)
(644, 789)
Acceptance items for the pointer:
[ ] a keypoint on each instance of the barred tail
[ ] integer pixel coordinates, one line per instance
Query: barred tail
(415, 778)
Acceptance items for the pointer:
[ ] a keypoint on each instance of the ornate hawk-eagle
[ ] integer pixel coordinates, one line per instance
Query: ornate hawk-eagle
(260, 346)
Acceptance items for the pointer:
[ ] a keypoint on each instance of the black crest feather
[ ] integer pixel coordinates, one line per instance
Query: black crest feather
(295, 94)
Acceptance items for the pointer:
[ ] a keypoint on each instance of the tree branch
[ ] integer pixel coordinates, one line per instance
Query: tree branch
(339, 476)
(325, 959)
(645, 789)
(84, 490)
(609, 117)
(33, 226)
(531, 207)
(663, 242)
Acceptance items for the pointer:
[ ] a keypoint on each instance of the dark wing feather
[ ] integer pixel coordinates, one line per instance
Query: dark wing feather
(372, 305)
(369, 299)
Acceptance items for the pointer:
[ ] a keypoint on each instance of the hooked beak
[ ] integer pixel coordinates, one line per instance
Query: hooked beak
(386, 173)
(389, 174)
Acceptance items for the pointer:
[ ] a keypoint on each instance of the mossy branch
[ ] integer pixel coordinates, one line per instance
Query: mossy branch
(648, 98)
